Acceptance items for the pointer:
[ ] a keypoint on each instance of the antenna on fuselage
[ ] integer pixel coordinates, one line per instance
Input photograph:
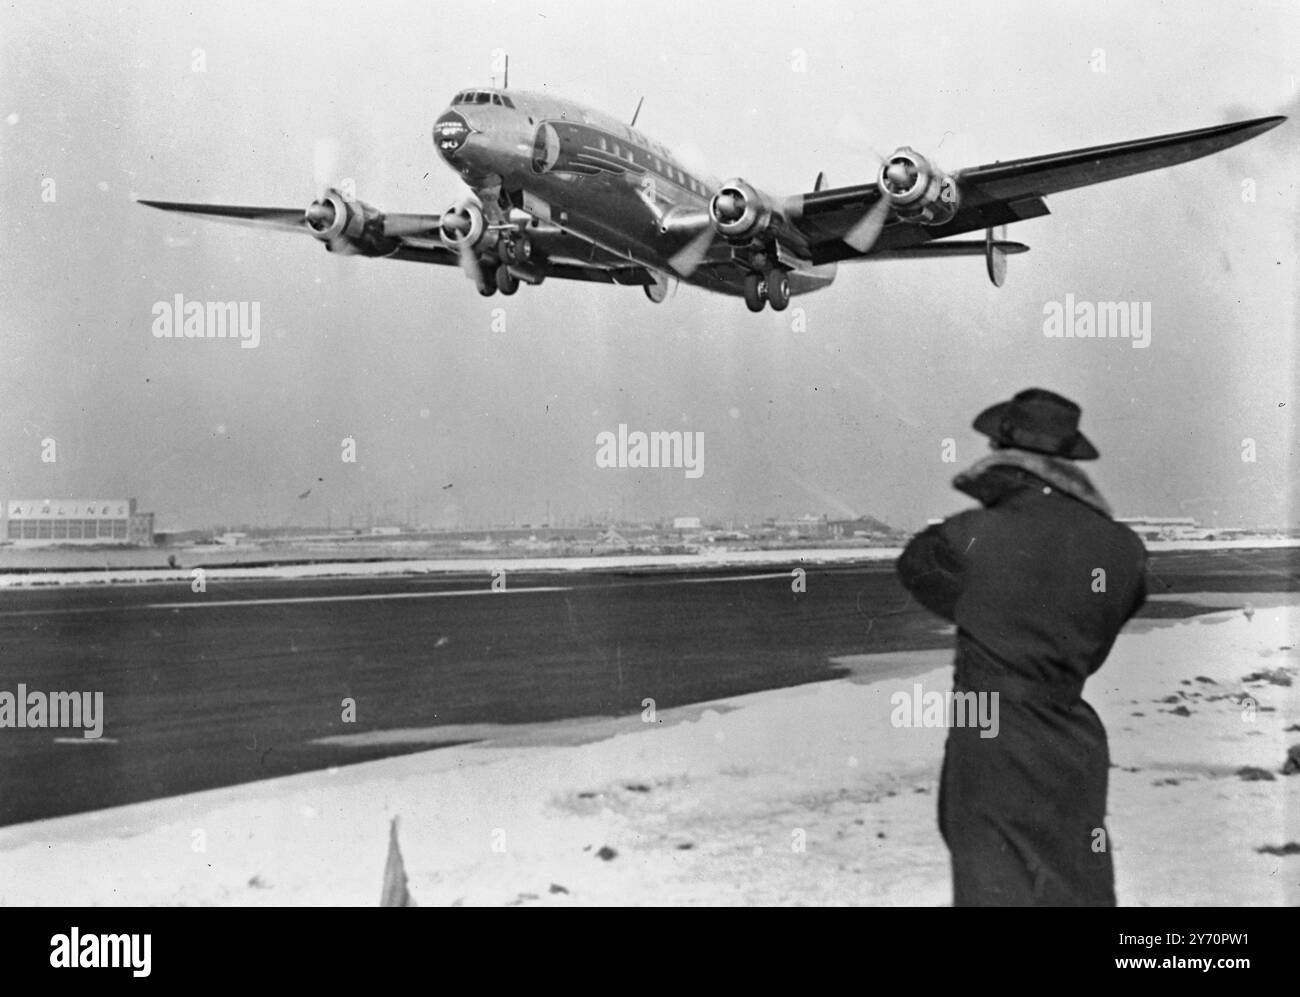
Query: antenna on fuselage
(637, 112)
(506, 85)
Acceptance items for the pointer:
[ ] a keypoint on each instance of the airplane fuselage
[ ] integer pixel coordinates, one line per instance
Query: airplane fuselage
(589, 174)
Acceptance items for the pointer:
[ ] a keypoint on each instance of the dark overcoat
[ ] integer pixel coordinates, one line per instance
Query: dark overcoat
(1039, 582)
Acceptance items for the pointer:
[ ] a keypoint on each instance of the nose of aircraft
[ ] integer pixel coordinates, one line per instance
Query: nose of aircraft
(450, 134)
(481, 139)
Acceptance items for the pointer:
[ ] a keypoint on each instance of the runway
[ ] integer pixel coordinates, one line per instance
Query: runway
(234, 684)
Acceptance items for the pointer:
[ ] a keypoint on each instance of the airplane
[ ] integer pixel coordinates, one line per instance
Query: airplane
(562, 191)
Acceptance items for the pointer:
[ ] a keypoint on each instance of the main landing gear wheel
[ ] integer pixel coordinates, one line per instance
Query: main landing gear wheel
(778, 290)
(755, 298)
(487, 282)
(506, 282)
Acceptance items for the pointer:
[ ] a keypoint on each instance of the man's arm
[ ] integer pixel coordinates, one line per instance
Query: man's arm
(933, 565)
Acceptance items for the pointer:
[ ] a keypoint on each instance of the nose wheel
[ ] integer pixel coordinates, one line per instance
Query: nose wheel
(772, 288)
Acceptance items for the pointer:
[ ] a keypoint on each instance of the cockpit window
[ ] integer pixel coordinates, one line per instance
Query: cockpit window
(482, 97)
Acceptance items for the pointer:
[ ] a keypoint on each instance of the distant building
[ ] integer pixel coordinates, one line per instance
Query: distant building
(1165, 527)
(687, 523)
(862, 526)
(805, 526)
(76, 521)
(612, 538)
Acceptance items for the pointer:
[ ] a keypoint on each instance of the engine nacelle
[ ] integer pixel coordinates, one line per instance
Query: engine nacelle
(346, 225)
(463, 226)
(738, 212)
(917, 190)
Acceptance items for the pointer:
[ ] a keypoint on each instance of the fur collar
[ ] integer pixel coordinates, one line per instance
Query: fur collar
(998, 475)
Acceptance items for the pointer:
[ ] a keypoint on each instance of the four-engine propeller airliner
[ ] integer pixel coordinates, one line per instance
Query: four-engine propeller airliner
(558, 190)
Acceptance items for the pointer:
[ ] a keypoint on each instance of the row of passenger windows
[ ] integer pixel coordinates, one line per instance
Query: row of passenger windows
(660, 167)
(482, 97)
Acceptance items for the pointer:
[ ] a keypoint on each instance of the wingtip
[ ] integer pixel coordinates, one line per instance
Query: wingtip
(1261, 125)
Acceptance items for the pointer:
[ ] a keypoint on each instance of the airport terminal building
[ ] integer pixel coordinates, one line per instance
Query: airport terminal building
(76, 521)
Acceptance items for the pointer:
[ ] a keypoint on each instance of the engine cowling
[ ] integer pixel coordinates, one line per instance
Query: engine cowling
(738, 212)
(346, 225)
(463, 226)
(916, 189)
(339, 221)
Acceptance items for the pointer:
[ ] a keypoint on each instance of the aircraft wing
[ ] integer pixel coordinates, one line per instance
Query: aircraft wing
(1000, 193)
(343, 225)
(416, 237)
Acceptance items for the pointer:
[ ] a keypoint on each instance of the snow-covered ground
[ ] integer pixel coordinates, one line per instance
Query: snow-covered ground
(804, 795)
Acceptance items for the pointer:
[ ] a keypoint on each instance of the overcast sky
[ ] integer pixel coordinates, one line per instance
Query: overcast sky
(847, 417)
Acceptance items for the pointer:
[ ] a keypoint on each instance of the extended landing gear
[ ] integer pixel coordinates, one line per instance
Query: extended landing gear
(512, 252)
(497, 279)
(778, 290)
(506, 282)
(774, 290)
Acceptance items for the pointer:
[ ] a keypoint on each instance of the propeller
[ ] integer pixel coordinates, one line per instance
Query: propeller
(457, 225)
(863, 235)
(322, 214)
(855, 134)
(470, 265)
(324, 162)
(688, 259)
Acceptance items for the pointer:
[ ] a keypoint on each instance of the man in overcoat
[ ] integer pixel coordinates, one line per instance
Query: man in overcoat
(1038, 581)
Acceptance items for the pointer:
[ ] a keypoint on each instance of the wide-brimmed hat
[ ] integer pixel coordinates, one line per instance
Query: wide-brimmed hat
(1039, 420)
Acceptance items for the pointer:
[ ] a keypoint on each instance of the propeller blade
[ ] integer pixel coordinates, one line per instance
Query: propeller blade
(864, 234)
(688, 259)
(469, 263)
(325, 159)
